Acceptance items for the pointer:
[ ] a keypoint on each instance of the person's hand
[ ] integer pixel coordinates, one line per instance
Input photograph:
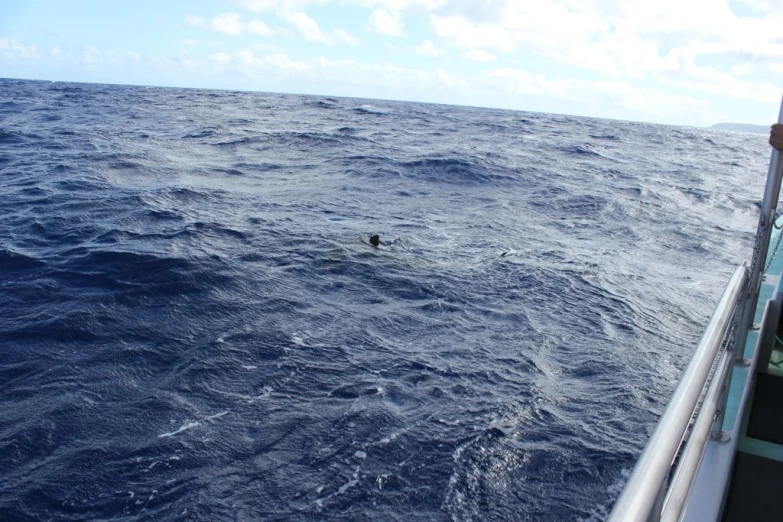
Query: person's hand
(776, 136)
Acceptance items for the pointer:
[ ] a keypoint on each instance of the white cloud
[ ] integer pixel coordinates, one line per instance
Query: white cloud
(259, 28)
(195, 21)
(267, 48)
(288, 6)
(741, 70)
(616, 54)
(282, 61)
(651, 103)
(114, 57)
(479, 55)
(384, 22)
(190, 42)
(619, 38)
(505, 26)
(762, 5)
(92, 56)
(13, 48)
(668, 41)
(703, 27)
(220, 57)
(311, 31)
(259, 5)
(713, 81)
(388, 77)
(186, 61)
(342, 36)
(249, 64)
(427, 48)
(401, 5)
(231, 23)
(464, 33)
(306, 25)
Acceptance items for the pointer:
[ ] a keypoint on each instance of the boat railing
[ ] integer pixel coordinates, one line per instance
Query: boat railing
(649, 485)
(653, 493)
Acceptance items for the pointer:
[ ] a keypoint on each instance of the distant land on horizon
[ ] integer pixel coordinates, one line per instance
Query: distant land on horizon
(742, 127)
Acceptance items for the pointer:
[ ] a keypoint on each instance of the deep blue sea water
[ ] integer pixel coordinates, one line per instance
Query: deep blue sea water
(194, 326)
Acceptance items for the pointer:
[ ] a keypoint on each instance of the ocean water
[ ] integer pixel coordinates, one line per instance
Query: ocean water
(194, 326)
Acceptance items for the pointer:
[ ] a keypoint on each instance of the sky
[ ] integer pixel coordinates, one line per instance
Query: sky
(681, 62)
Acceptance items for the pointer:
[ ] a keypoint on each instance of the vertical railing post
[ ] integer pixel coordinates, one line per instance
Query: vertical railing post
(732, 347)
(758, 261)
(761, 245)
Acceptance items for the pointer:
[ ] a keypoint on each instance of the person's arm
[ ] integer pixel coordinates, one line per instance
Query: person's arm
(776, 136)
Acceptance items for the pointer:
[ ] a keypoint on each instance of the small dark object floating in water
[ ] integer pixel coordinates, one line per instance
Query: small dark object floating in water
(375, 240)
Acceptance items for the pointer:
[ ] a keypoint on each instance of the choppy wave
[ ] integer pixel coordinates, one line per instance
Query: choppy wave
(195, 326)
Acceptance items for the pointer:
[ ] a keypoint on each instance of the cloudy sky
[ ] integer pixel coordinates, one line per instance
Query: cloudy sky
(690, 62)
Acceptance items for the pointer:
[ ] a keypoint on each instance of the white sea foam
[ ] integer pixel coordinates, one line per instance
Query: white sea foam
(351, 483)
(216, 416)
(182, 428)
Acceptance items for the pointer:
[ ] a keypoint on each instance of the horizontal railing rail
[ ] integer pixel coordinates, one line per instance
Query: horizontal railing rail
(691, 457)
(643, 495)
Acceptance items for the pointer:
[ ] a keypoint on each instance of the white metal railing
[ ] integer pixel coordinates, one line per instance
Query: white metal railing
(643, 496)
(648, 495)
(700, 434)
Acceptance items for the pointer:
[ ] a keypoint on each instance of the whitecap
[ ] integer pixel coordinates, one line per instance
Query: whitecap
(180, 430)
